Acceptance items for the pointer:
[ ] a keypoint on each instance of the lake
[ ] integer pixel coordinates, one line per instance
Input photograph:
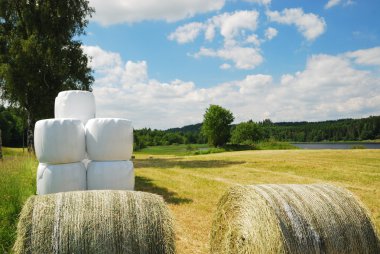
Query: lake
(336, 145)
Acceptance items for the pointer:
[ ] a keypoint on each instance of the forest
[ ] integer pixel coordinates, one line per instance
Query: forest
(13, 130)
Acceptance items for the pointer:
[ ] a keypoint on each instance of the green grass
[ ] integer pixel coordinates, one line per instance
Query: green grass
(192, 185)
(17, 183)
(172, 149)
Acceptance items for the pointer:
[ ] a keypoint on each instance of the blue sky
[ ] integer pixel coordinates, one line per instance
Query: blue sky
(162, 63)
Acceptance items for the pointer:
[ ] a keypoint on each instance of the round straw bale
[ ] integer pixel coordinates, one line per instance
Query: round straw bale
(315, 218)
(95, 222)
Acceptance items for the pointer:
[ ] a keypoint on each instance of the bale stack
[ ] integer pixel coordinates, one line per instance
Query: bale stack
(123, 222)
(109, 143)
(316, 218)
(60, 149)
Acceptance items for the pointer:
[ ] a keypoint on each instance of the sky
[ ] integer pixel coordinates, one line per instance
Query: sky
(161, 63)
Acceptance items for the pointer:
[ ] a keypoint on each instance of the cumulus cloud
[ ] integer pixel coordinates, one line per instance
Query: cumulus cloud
(332, 3)
(262, 2)
(119, 11)
(366, 56)
(270, 33)
(186, 33)
(329, 87)
(309, 25)
(243, 58)
(231, 27)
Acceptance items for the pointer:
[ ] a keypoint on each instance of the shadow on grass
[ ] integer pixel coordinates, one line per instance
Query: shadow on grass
(179, 162)
(171, 197)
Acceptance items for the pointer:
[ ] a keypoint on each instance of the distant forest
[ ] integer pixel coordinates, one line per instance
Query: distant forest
(12, 125)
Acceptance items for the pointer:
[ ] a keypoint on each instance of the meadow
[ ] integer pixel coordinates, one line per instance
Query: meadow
(192, 184)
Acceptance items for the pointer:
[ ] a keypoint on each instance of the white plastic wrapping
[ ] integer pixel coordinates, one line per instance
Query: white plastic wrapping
(59, 141)
(109, 139)
(75, 104)
(110, 175)
(60, 177)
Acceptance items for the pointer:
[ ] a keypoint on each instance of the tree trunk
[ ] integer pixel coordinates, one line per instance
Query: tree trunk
(1, 152)
(30, 132)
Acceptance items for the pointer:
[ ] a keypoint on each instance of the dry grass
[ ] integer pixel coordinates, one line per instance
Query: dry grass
(192, 185)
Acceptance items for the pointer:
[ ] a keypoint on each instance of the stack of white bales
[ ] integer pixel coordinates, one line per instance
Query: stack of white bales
(60, 145)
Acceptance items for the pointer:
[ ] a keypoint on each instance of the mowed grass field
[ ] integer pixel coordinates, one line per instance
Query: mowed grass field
(192, 185)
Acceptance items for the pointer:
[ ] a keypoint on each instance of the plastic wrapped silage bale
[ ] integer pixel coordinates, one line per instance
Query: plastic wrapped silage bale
(110, 175)
(60, 178)
(75, 104)
(109, 139)
(59, 141)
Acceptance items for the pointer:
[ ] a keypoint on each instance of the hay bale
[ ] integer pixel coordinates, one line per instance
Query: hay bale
(95, 222)
(316, 218)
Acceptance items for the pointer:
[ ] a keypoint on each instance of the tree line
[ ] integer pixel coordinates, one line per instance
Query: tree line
(14, 127)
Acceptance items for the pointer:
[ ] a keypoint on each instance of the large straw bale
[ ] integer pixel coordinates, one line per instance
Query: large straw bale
(95, 222)
(316, 218)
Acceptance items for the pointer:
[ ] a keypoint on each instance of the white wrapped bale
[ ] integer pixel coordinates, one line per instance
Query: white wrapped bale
(58, 141)
(60, 178)
(75, 104)
(110, 175)
(109, 139)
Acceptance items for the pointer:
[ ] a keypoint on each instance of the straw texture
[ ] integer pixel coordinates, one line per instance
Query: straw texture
(316, 218)
(95, 222)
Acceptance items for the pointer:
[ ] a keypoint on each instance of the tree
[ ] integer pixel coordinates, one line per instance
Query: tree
(216, 125)
(247, 133)
(40, 55)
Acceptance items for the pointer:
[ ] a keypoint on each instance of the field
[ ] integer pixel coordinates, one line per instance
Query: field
(192, 185)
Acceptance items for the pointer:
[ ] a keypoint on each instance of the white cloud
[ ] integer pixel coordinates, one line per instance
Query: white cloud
(262, 2)
(119, 11)
(225, 66)
(329, 87)
(243, 58)
(230, 26)
(308, 24)
(366, 56)
(270, 33)
(186, 33)
(332, 3)
(254, 39)
(233, 27)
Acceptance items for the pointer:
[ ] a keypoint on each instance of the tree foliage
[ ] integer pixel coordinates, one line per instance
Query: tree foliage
(247, 133)
(216, 125)
(39, 55)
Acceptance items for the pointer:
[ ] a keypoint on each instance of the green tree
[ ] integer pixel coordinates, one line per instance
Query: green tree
(247, 133)
(40, 54)
(216, 125)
